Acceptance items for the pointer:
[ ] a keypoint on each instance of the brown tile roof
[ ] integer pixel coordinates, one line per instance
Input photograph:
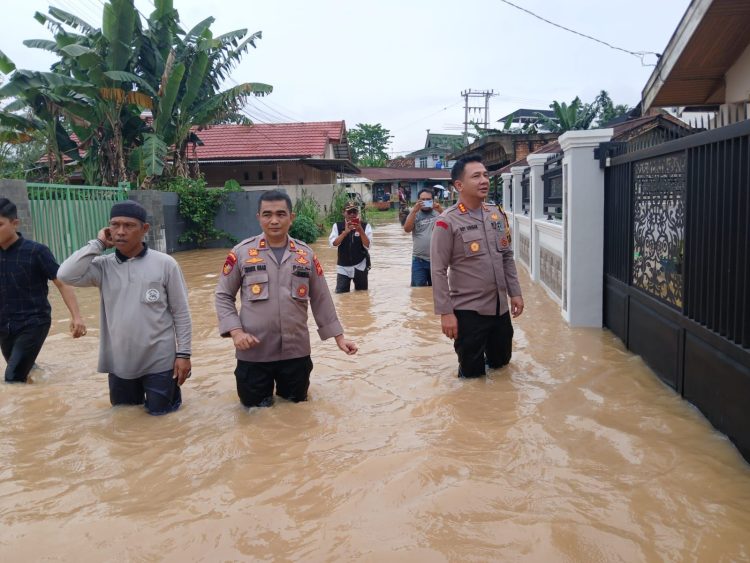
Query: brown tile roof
(520, 162)
(269, 140)
(385, 174)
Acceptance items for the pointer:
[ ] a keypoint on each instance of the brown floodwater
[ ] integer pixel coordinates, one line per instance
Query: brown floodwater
(575, 452)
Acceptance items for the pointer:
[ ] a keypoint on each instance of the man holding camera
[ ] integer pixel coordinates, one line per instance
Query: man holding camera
(352, 238)
(420, 222)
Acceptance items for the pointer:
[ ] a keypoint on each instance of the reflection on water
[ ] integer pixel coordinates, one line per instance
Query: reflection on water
(575, 452)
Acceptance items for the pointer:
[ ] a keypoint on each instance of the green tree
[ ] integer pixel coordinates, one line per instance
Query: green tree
(105, 78)
(368, 143)
(607, 108)
(569, 117)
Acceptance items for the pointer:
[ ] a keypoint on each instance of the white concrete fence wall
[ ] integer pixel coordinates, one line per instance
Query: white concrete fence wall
(565, 257)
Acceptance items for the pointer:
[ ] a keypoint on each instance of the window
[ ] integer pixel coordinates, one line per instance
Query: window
(273, 175)
(246, 176)
(260, 174)
(422, 162)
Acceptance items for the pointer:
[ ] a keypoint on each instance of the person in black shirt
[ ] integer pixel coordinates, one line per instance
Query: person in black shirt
(25, 312)
(352, 238)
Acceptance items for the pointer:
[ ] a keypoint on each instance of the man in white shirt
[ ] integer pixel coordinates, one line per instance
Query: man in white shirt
(352, 239)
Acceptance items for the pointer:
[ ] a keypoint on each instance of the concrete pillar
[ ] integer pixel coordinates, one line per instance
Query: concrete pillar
(517, 195)
(152, 200)
(583, 227)
(507, 202)
(536, 193)
(16, 191)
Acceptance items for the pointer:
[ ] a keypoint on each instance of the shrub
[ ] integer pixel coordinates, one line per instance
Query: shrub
(198, 206)
(305, 229)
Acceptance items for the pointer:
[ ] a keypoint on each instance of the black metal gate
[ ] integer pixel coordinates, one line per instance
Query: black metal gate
(676, 268)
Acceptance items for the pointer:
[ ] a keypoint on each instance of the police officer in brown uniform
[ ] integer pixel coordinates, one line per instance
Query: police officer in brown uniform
(473, 273)
(278, 278)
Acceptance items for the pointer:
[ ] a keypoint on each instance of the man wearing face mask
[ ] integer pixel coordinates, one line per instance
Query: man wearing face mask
(419, 223)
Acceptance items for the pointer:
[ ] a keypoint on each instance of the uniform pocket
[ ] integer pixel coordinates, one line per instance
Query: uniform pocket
(474, 243)
(256, 286)
(301, 285)
(152, 292)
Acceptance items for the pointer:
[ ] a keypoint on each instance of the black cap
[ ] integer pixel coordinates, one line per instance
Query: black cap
(129, 208)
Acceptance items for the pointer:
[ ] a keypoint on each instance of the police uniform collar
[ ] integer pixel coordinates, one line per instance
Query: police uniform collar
(122, 258)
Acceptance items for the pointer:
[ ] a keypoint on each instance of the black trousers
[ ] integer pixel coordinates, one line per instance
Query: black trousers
(480, 338)
(344, 283)
(255, 381)
(20, 349)
(160, 390)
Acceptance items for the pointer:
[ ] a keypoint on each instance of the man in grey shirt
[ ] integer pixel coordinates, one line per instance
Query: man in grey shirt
(145, 319)
(420, 222)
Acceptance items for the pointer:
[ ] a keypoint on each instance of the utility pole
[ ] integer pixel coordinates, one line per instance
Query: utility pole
(485, 109)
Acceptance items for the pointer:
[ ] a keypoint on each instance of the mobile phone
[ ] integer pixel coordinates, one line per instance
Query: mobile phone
(426, 204)
(354, 221)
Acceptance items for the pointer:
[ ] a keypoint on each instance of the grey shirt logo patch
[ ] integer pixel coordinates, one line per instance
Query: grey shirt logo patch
(152, 296)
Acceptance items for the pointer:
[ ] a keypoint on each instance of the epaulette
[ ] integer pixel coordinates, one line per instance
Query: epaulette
(247, 240)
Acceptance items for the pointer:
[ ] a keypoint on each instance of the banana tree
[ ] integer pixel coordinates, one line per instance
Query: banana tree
(571, 117)
(189, 95)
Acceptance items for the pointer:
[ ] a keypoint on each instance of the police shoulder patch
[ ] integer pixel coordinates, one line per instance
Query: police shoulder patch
(229, 264)
(318, 267)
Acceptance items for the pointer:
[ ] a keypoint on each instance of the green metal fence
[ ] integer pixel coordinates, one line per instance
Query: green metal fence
(65, 217)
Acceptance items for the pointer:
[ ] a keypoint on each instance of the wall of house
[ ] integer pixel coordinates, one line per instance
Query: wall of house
(522, 149)
(738, 79)
(279, 174)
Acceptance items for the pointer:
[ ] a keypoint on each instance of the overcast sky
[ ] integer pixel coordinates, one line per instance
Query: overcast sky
(404, 63)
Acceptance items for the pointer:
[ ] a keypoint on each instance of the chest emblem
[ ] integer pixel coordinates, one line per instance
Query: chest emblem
(494, 217)
(503, 242)
(254, 260)
(302, 260)
(256, 289)
(152, 295)
(302, 291)
(252, 251)
(474, 246)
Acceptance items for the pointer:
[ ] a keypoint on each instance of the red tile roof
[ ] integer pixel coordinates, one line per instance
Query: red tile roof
(269, 140)
(391, 174)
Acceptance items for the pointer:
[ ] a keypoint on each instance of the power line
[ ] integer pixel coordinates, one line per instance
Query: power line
(425, 117)
(638, 54)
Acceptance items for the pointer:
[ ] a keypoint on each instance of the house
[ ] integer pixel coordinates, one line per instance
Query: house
(436, 149)
(387, 181)
(500, 149)
(274, 154)
(523, 116)
(706, 64)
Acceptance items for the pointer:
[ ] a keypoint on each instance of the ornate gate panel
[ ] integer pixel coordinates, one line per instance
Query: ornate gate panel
(659, 226)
